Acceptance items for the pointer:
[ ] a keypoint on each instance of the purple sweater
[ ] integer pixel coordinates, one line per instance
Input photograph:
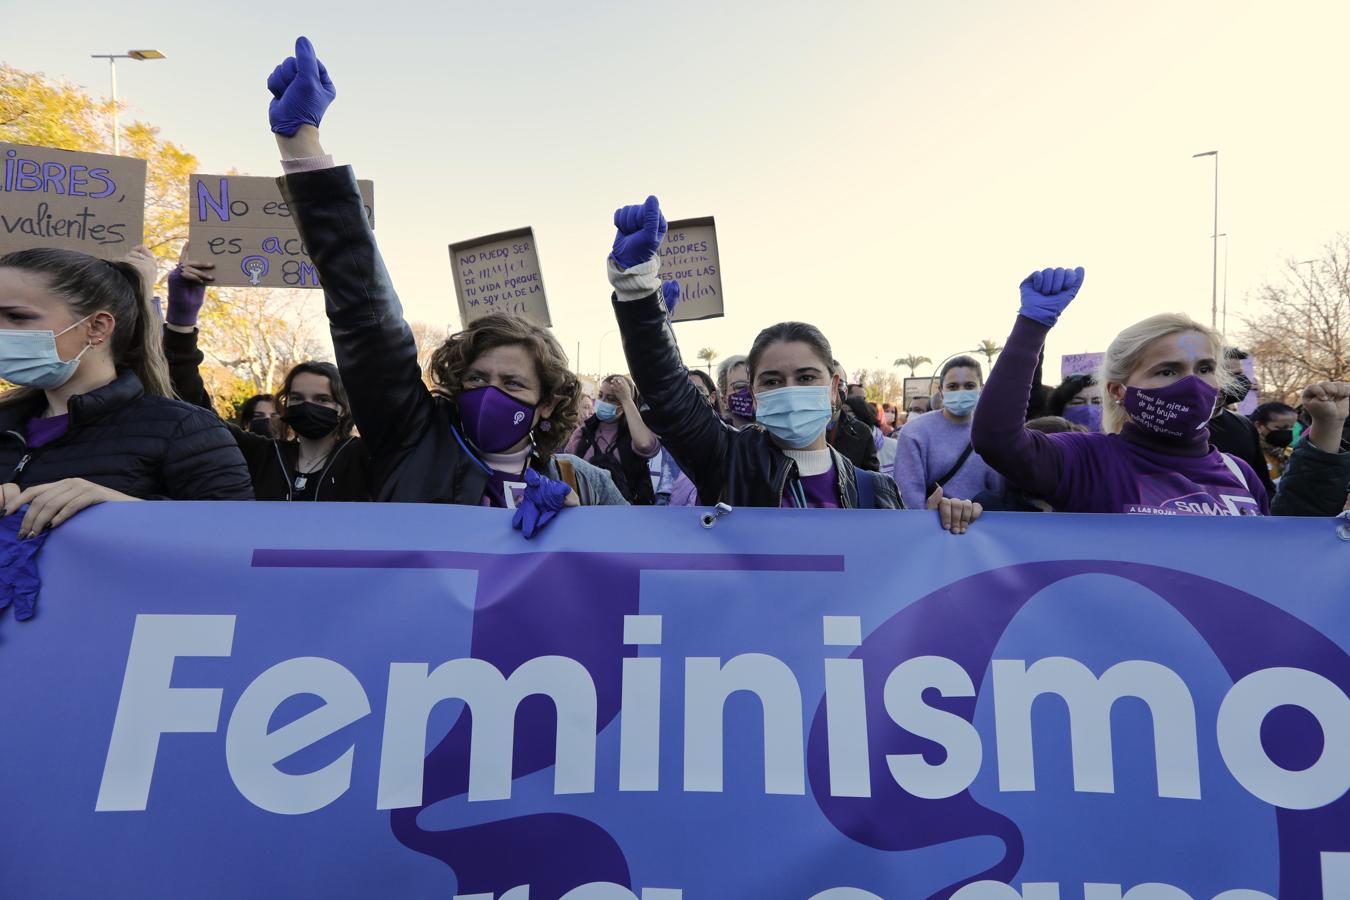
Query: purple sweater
(1130, 472)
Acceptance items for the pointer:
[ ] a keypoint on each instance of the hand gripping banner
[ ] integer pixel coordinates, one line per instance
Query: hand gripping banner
(225, 700)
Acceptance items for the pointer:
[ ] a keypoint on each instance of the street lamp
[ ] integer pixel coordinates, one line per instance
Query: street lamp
(1214, 275)
(112, 59)
(1224, 330)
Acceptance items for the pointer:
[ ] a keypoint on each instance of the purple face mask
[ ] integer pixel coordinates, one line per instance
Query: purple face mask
(1177, 411)
(494, 420)
(742, 404)
(1089, 416)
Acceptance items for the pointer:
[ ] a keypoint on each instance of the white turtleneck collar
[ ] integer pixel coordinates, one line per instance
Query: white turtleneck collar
(810, 462)
(509, 463)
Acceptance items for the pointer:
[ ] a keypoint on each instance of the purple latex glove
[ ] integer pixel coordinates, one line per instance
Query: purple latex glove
(639, 232)
(301, 90)
(670, 293)
(185, 299)
(1045, 294)
(543, 499)
(19, 582)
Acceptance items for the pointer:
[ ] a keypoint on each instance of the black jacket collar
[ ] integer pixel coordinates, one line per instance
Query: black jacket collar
(122, 391)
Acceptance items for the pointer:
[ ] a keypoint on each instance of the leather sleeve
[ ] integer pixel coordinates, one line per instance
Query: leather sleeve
(185, 361)
(375, 349)
(688, 427)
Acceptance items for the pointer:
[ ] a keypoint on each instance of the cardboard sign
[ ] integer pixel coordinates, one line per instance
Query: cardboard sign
(243, 225)
(924, 387)
(500, 273)
(1080, 364)
(689, 256)
(88, 202)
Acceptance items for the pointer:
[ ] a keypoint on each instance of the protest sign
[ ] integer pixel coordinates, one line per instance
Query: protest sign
(689, 256)
(919, 387)
(1080, 364)
(500, 273)
(88, 202)
(384, 700)
(243, 225)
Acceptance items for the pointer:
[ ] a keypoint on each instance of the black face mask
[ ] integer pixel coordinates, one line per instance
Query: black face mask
(1236, 391)
(260, 425)
(1280, 438)
(310, 420)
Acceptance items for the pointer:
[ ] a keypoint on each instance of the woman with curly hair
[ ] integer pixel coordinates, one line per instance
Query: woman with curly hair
(503, 402)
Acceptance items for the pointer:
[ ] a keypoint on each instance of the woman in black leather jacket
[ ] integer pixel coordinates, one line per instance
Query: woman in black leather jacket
(504, 400)
(781, 461)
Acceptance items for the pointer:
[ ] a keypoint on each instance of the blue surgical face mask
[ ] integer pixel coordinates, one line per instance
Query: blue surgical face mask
(606, 411)
(796, 416)
(960, 403)
(29, 359)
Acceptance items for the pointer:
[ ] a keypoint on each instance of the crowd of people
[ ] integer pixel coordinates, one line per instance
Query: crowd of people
(110, 404)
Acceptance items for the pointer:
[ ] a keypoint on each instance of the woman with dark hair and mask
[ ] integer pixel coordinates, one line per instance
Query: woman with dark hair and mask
(504, 401)
(780, 461)
(1078, 399)
(257, 414)
(616, 439)
(309, 452)
(93, 417)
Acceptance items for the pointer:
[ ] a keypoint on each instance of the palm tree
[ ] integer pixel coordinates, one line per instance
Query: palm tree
(912, 362)
(989, 349)
(707, 354)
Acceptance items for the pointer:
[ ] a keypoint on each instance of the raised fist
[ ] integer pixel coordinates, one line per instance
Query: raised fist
(639, 230)
(301, 90)
(1045, 294)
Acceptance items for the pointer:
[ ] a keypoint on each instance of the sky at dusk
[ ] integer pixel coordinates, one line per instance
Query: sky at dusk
(886, 171)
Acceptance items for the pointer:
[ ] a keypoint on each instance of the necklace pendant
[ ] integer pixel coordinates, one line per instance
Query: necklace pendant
(301, 481)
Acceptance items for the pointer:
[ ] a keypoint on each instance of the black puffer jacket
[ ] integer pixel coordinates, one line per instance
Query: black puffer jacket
(147, 447)
(417, 452)
(743, 468)
(344, 477)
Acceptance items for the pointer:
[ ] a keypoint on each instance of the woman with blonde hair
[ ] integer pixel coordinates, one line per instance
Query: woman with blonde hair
(1162, 378)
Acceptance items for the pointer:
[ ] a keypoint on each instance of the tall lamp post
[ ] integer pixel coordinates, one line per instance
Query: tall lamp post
(1224, 330)
(1214, 275)
(112, 59)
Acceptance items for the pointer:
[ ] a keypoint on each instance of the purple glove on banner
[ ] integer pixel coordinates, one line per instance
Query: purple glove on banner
(1045, 294)
(544, 497)
(301, 90)
(670, 292)
(19, 582)
(639, 232)
(185, 299)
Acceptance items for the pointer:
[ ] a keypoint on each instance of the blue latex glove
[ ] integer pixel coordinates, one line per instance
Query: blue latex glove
(543, 499)
(670, 293)
(639, 232)
(1045, 294)
(19, 582)
(301, 90)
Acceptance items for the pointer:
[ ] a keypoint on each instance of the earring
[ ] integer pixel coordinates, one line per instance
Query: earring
(545, 425)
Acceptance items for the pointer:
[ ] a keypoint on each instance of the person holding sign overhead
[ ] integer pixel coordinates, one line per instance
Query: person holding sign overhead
(504, 402)
(93, 418)
(315, 457)
(783, 459)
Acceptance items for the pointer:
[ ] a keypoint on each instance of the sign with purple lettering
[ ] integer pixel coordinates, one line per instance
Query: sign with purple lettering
(243, 225)
(384, 700)
(89, 202)
(689, 256)
(1080, 364)
(500, 273)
